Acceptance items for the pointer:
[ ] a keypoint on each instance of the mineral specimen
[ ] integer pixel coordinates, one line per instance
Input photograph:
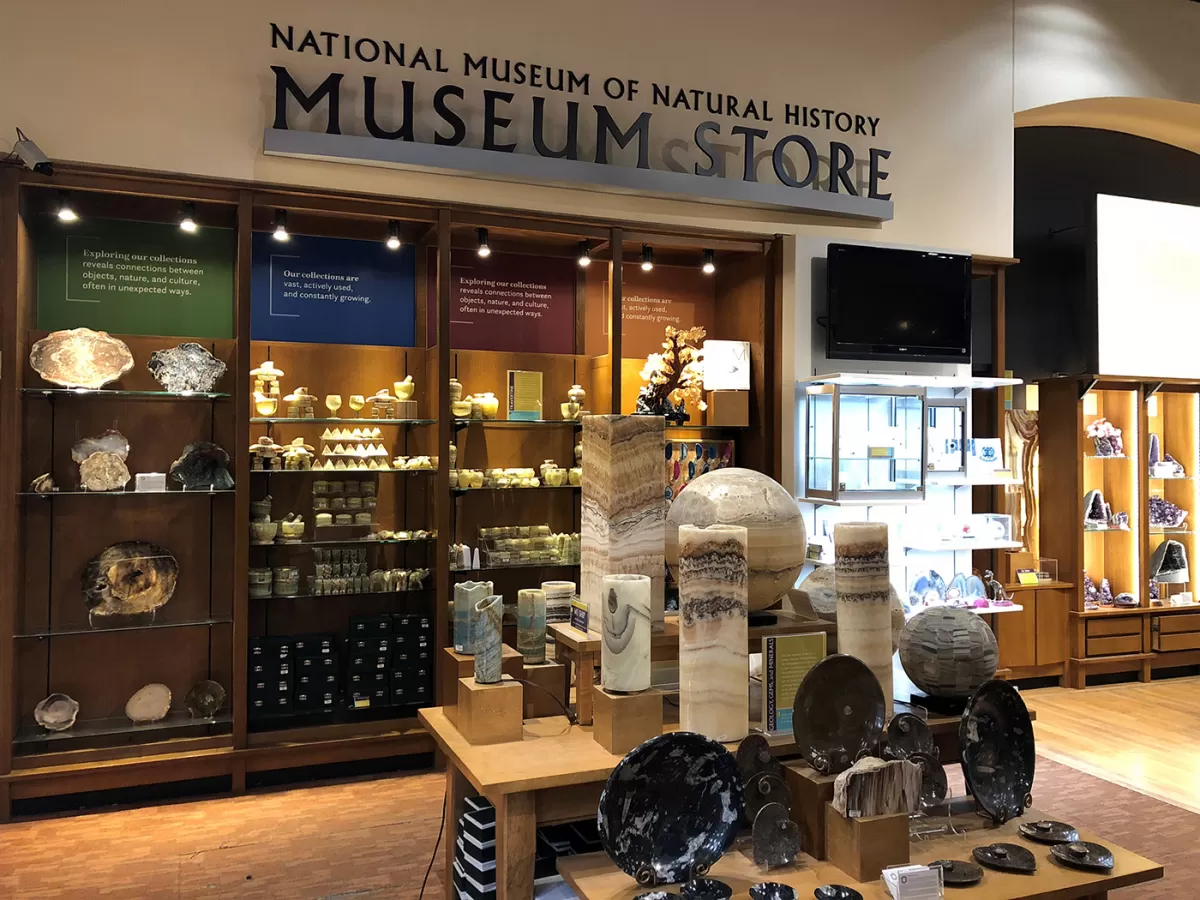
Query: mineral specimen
(129, 578)
(1106, 437)
(204, 699)
(110, 442)
(1091, 596)
(1106, 594)
(103, 471)
(1168, 564)
(1165, 514)
(149, 704)
(43, 484)
(1125, 600)
(201, 466)
(1096, 511)
(1154, 453)
(188, 367)
(80, 357)
(56, 713)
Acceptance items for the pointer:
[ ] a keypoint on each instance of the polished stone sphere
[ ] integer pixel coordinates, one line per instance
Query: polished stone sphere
(775, 539)
(948, 652)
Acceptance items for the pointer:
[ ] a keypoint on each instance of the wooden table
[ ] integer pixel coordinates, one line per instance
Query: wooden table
(594, 877)
(582, 649)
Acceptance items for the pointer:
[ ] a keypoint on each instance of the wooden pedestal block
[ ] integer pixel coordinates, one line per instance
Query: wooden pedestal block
(406, 409)
(622, 721)
(729, 408)
(490, 713)
(811, 791)
(549, 677)
(864, 847)
(457, 665)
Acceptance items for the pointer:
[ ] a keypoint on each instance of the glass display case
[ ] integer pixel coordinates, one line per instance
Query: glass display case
(946, 449)
(864, 443)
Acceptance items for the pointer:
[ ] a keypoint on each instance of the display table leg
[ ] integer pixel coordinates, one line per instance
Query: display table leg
(585, 677)
(457, 791)
(516, 845)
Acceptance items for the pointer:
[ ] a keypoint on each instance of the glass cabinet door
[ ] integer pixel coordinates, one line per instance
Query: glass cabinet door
(819, 448)
(946, 450)
(880, 443)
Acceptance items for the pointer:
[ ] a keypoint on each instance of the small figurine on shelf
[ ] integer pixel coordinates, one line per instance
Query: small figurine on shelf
(300, 404)
(674, 377)
(404, 389)
(1106, 438)
(383, 404)
(266, 379)
(298, 456)
(357, 402)
(291, 529)
(264, 404)
(265, 455)
(333, 402)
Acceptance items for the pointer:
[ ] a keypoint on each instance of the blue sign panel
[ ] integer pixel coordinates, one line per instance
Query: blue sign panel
(332, 291)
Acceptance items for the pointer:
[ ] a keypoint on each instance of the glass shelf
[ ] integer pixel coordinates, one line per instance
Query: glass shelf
(517, 490)
(1094, 456)
(1169, 531)
(1172, 478)
(1108, 531)
(533, 565)
(143, 395)
(201, 623)
(54, 494)
(423, 590)
(94, 728)
(349, 542)
(337, 473)
(518, 423)
(284, 420)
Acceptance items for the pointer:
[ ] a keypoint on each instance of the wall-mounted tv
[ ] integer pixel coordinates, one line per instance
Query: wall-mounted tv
(894, 304)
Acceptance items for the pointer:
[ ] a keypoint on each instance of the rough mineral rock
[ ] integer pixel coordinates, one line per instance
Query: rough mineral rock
(1095, 510)
(110, 442)
(1165, 514)
(43, 484)
(149, 704)
(1168, 564)
(204, 699)
(1119, 521)
(129, 578)
(80, 357)
(203, 465)
(1125, 600)
(1106, 594)
(188, 367)
(56, 713)
(1155, 453)
(103, 471)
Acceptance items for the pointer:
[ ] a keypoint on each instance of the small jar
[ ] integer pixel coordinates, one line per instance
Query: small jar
(352, 488)
(343, 519)
(319, 503)
(367, 488)
(354, 502)
(362, 518)
(337, 502)
(337, 487)
(369, 502)
(260, 583)
(324, 519)
(320, 487)
(286, 581)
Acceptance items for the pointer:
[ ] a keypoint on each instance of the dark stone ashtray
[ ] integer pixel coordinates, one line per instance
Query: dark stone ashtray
(773, 890)
(706, 889)
(1084, 855)
(836, 892)
(959, 873)
(1049, 832)
(1006, 858)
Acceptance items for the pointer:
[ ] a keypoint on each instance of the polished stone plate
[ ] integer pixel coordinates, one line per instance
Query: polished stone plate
(1006, 858)
(838, 713)
(776, 838)
(671, 808)
(998, 756)
(836, 892)
(762, 790)
(656, 895)
(772, 890)
(908, 734)
(188, 367)
(934, 785)
(754, 757)
(201, 466)
(129, 578)
(958, 873)
(706, 889)
(204, 699)
(1084, 855)
(1049, 832)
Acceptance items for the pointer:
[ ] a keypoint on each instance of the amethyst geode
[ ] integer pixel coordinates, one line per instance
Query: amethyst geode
(1165, 514)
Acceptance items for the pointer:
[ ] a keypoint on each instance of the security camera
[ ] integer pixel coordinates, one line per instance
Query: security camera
(31, 155)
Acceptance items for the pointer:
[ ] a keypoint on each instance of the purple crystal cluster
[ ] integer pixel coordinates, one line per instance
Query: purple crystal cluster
(1165, 514)
(1107, 438)
(1157, 458)
(1095, 597)
(1098, 514)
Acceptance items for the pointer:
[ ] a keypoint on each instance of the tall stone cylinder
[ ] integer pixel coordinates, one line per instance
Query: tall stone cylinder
(487, 617)
(622, 511)
(714, 606)
(864, 611)
(531, 625)
(559, 595)
(625, 650)
(466, 595)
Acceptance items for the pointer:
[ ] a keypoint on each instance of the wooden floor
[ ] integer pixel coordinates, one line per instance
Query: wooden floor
(1141, 736)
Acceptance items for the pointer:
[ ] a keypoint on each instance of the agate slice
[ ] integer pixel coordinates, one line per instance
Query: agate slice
(671, 808)
(56, 713)
(205, 699)
(103, 472)
(149, 704)
(188, 367)
(202, 465)
(80, 357)
(129, 578)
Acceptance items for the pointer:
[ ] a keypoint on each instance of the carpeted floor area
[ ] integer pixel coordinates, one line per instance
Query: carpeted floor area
(370, 840)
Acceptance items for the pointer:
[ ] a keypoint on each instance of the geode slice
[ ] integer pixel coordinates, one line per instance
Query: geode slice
(203, 465)
(1094, 514)
(188, 367)
(1165, 514)
(149, 704)
(80, 357)
(56, 713)
(1154, 452)
(129, 578)
(1125, 600)
(103, 472)
(110, 442)
(1168, 564)
(1119, 521)
(205, 699)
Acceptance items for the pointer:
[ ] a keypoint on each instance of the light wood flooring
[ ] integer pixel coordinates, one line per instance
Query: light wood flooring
(1141, 736)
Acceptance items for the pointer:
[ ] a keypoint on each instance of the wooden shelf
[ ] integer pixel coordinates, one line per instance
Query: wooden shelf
(1134, 611)
(1106, 660)
(1043, 586)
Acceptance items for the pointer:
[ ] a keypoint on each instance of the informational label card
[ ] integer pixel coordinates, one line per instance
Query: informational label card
(786, 660)
(524, 395)
(332, 291)
(136, 278)
(510, 302)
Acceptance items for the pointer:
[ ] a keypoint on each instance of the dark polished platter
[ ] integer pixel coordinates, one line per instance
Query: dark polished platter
(998, 759)
(838, 714)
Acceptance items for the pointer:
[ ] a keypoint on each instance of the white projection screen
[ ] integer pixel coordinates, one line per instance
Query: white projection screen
(1147, 287)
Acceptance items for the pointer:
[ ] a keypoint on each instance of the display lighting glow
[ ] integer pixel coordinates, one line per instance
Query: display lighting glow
(710, 265)
(585, 255)
(393, 241)
(484, 250)
(187, 221)
(66, 213)
(647, 257)
(281, 232)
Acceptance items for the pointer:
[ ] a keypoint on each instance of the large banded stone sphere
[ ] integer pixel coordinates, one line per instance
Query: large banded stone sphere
(948, 652)
(776, 541)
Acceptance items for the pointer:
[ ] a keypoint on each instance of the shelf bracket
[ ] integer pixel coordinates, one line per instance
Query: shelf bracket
(1085, 385)
(1152, 388)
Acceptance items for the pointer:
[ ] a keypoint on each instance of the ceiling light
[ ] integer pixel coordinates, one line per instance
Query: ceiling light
(709, 265)
(187, 221)
(585, 255)
(484, 250)
(65, 212)
(647, 257)
(281, 232)
(393, 241)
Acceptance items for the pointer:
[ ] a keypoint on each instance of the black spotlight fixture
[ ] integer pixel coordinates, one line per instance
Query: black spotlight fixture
(481, 236)
(647, 257)
(393, 240)
(710, 264)
(281, 232)
(585, 255)
(187, 219)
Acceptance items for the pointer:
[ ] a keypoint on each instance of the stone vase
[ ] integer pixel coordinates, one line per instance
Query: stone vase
(864, 612)
(714, 606)
(559, 595)
(625, 651)
(531, 625)
(487, 617)
(466, 595)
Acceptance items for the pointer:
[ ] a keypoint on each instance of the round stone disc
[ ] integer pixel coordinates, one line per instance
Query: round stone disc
(934, 785)
(762, 790)
(907, 734)
(754, 757)
(1006, 858)
(1049, 832)
(1084, 855)
(776, 837)
(959, 873)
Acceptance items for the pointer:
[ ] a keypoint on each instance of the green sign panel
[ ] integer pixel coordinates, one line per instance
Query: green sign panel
(136, 278)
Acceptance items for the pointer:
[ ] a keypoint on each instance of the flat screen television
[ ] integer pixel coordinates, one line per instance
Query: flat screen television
(892, 304)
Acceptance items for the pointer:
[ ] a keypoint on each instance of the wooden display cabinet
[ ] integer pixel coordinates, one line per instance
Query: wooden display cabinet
(46, 643)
